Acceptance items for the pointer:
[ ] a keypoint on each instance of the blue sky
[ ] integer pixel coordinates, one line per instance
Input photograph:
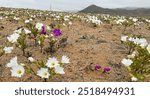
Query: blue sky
(73, 4)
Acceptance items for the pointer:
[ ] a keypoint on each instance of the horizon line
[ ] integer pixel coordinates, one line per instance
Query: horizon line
(72, 10)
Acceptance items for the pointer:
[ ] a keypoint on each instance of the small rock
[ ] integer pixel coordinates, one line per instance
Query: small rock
(1, 27)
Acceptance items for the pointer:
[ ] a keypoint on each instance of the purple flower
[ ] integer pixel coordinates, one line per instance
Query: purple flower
(97, 67)
(43, 30)
(107, 69)
(57, 32)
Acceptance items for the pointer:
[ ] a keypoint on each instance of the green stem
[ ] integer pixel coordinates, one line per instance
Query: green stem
(41, 47)
(23, 51)
(45, 79)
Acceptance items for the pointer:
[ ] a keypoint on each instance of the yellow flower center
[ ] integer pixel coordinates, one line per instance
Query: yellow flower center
(53, 64)
(45, 74)
(19, 72)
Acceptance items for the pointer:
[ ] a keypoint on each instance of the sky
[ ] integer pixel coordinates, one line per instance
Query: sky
(73, 5)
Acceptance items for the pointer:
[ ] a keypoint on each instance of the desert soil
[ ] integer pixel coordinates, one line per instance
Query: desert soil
(86, 47)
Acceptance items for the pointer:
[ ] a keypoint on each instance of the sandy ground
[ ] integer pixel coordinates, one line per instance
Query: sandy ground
(86, 47)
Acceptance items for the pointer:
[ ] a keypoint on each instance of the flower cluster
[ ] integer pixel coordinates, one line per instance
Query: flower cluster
(17, 70)
(132, 42)
(138, 60)
(52, 67)
(104, 70)
(38, 36)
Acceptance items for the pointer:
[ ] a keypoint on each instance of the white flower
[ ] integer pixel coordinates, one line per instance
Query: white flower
(54, 39)
(27, 31)
(140, 41)
(39, 42)
(59, 70)
(13, 38)
(134, 79)
(26, 21)
(132, 55)
(131, 39)
(30, 19)
(147, 20)
(120, 21)
(39, 26)
(46, 36)
(135, 19)
(143, 42)
(148, 48)
(31, 59)
(33, 16)
(8, 49)
(65, 59)
(70, 23)
(64, 24)
(19, 31)
(136, 40)
(52, 62)
(127, 62)
(51, 35)
(22, 64)
(48, 28)
(13, 62)
(124, 38)
(17, 71)
(66, 18)
(15, 18)
(43, 73)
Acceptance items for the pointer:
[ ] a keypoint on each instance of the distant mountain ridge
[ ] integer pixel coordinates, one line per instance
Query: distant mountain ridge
(144, 12)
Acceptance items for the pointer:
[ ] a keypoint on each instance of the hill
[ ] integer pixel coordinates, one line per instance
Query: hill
(141, 12)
